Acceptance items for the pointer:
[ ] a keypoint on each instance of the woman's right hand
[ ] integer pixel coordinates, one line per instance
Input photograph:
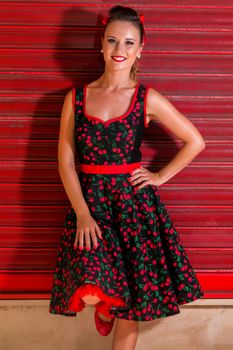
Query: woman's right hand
(86, 227)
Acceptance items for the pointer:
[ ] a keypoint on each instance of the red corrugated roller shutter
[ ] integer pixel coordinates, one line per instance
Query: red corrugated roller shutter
(49, 47)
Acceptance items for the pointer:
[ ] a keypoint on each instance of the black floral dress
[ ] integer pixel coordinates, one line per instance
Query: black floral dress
(140, 269)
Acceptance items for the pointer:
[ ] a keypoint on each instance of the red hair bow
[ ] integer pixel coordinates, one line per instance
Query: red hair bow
(104, 20)
(141, 18)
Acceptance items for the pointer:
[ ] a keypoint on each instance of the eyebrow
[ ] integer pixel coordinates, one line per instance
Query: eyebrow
(111, 36)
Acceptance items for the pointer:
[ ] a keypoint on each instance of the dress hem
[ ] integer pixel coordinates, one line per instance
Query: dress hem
(104, 305)
(117, 316)
(111, 313)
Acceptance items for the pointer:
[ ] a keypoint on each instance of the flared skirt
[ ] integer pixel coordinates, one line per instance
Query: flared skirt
(140, 269)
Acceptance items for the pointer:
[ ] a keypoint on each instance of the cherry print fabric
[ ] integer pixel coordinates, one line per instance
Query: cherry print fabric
(140, 269)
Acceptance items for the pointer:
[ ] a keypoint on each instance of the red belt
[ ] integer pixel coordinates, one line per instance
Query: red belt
(109, 168)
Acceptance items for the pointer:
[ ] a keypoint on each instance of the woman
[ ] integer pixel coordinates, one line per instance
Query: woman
(130, 264)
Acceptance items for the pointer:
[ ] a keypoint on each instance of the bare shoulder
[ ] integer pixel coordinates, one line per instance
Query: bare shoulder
(161, 109)
(69, 101)
(157, 105)
(69, 96)
(66, 144)
(94, 84)
(67, 112)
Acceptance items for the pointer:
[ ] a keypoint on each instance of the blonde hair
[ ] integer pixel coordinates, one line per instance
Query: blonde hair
(134, 71)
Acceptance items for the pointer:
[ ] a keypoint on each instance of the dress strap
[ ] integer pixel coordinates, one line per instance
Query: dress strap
(77, 99)
(78, 96)
(73, 98)
(141, 99)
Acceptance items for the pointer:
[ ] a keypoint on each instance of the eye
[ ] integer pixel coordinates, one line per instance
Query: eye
(129, 42)
(111, 40)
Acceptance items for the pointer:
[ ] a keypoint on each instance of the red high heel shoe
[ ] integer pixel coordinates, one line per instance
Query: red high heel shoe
(103, 327)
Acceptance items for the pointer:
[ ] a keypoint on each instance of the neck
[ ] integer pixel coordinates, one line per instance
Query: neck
(116, 80)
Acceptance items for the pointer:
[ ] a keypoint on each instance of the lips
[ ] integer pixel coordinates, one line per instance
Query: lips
(118, 58)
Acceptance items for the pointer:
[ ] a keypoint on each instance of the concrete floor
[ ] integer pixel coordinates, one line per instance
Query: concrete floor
(205, 324)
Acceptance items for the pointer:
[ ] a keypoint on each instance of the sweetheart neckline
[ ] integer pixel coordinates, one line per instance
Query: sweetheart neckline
(92, 117)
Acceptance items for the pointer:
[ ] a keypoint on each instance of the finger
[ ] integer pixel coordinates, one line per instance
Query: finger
(135, 171)
(139, 179)
(87, 239)
(99, 233)
(81, 236)
(76, 239)
(93, 237)
(142, 185)
(138, 172)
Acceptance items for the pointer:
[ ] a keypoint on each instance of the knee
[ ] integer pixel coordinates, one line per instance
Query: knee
(90, 299)
(127, 324)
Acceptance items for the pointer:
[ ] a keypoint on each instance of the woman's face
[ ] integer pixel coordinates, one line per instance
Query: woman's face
(121, 45)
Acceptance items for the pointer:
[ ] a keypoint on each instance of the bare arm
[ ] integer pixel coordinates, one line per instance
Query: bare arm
(66, 157)
(159, 108)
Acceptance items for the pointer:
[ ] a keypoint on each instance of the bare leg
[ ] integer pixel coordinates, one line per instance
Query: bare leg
(92, 300)
(125, 334)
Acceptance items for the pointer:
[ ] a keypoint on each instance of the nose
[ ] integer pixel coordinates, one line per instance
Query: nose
(119, 48)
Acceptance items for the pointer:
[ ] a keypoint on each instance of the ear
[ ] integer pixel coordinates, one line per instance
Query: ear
(102, 40)
(141, 47)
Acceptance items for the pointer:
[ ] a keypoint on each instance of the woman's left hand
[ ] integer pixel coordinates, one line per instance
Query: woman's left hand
(142, 174)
